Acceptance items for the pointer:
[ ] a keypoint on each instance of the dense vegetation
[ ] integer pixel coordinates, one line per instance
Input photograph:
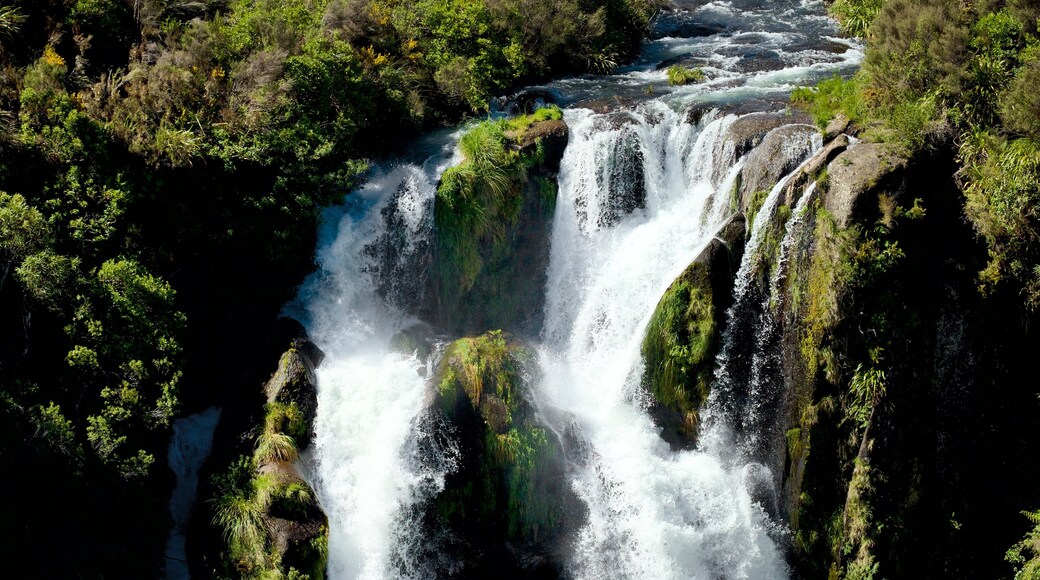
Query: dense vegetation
(950, 87)
(162, 166)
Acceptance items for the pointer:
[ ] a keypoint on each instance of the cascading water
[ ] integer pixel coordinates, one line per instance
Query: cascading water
(652, 513)
(373, 462)
(641, 192)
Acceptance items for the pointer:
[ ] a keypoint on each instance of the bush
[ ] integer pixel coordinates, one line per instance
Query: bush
(681, 75)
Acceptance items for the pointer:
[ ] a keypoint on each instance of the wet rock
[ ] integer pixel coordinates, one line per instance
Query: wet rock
(416, 339)
(813, 169)
(626, 180)
(607, 105)
(508, 501)
(863, 168)
(552, 135)
(780, 152)
(749, 130)
(684, 336)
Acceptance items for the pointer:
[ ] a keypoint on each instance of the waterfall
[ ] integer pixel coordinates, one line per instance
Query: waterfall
(189, 447)
(643, 189)
(376, 458)
(652, 513)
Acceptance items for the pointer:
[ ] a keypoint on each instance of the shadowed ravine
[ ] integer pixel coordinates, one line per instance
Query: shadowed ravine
(643, 188)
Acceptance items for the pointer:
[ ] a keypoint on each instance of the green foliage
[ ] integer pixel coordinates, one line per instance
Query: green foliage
(285, 418)
(855, 16)
(679, 346)
(681, 75)
(480, 199)
(1002, 189)
(524, 456)
(1025, 555)
(865, 390)
(271, 446)
(238, 512)
(483, 367)
(49, 278)
(831, 97)
(23, 231)
(11, 20)
(508, 485)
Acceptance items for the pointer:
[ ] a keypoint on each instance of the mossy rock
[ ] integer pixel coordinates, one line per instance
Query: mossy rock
(492, 214)
(508, 490)
(684, 334)
(295, 383)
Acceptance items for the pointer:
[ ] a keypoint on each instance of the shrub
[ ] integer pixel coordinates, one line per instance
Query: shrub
(681, 75)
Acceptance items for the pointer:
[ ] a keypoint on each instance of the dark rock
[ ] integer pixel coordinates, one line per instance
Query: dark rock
(625, 181)
(416, 339)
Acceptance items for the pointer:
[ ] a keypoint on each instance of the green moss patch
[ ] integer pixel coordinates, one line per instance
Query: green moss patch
(508, 484)
(679, 347)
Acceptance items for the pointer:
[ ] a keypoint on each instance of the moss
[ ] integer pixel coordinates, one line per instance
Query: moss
(487, 369)
(506, 485)
(754, 205)
(487, 212)
(679, 347)
(524, 455)
(681, 75)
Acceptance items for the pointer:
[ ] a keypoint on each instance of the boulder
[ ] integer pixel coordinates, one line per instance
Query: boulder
(837, 126)
(295, 381)
(863, 168)
(508, 500)
(749, 130)
(684, 336)
(779, 153)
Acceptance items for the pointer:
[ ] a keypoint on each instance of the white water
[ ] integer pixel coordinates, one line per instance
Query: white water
(189, 447)
(652, 513)
(368, 474)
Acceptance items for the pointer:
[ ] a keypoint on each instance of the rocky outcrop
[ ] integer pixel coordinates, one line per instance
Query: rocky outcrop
(269, 516)
(684, 334)
(779, 153)
(492, 223)
(508, 500)
(295, 382)
(858, 171)
(625, 181)
(749, 130)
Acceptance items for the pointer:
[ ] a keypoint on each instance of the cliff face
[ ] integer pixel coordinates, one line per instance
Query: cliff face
(493, 213)
(901, 412)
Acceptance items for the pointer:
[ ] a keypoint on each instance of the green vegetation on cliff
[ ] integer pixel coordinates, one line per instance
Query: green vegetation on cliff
(491, 212)
(679, 347)
(507, 484)
(891, 342)
(940, 72)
